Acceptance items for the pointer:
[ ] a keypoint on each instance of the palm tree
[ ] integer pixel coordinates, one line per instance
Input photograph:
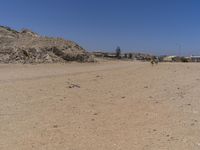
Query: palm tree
(118, 52)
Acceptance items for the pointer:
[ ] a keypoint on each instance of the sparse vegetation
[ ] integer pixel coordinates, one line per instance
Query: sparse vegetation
(130, 56)
(183, 59)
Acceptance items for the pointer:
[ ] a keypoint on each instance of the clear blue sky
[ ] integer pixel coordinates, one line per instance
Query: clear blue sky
(155, 26)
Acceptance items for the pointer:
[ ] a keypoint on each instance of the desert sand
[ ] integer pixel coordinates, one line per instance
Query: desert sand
(100, 106)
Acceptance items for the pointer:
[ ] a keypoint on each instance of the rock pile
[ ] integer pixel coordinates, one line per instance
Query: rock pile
(28, 47)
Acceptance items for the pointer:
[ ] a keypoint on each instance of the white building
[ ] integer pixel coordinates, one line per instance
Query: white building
(169, 58)
(195, 58)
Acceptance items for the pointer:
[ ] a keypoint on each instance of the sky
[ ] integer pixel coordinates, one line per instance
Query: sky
(153, 26)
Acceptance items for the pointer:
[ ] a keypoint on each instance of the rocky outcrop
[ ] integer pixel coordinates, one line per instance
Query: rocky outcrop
(29, 47)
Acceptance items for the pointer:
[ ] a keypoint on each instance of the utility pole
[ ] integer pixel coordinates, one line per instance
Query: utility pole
(179, 48)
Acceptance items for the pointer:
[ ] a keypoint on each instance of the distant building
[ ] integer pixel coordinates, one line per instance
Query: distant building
(195, 58)
(104, 54)
(169, 58)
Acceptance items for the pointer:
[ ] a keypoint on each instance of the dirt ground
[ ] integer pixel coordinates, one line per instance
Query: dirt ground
(101, 106)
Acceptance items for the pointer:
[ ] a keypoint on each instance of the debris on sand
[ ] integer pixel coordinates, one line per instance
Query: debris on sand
(74, 86)
(95, 114)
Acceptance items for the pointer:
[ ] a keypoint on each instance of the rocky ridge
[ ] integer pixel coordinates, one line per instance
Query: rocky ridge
(26, 46)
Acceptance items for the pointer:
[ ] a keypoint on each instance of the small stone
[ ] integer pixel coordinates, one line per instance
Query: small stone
(55, 126)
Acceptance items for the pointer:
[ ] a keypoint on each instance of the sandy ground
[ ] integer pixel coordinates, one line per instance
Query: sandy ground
(103, 106)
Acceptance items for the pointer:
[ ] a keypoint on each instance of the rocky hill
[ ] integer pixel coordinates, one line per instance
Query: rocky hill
(26, 46)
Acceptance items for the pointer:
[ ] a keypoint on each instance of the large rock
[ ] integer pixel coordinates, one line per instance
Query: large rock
(28, 47)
